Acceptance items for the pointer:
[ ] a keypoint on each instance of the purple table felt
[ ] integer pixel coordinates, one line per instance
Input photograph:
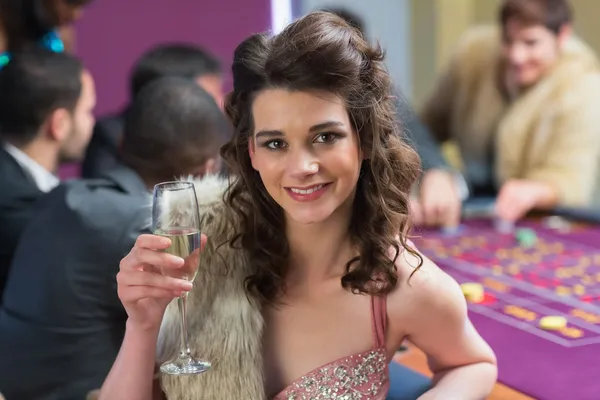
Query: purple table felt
(559, 275)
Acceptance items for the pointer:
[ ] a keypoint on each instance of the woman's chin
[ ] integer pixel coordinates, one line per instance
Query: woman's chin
(308, 217)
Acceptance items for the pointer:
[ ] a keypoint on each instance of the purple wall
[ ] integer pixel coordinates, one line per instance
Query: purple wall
(113, 33)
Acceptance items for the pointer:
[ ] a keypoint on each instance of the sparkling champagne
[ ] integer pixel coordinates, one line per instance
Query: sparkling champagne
(184, 233)
(185, 243)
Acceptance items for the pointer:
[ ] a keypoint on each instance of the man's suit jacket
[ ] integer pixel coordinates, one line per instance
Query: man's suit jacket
(61, 302)
(419, 136)
(103, 150)
(18, 198)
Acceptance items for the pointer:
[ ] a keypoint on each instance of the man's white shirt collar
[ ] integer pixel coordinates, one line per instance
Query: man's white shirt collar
(44, 179)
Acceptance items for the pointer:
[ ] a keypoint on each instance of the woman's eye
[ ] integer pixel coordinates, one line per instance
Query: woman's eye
(326, 137)
(275, 144)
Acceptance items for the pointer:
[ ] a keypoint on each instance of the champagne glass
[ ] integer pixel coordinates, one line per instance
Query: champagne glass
(175, 215)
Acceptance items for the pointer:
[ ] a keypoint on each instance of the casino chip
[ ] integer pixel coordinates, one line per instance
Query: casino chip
(553, 322)
(473, 292)
(526, 237)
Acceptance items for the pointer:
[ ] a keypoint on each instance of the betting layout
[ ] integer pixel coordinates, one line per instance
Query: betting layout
(532, 285)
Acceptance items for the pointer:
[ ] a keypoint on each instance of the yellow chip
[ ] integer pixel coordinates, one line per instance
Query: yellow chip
(514, 269)
(553, 322)
(563, 291)
(579, 289)
(473, 291)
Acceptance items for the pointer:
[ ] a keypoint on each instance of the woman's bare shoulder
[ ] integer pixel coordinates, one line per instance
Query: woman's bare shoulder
(423, 289)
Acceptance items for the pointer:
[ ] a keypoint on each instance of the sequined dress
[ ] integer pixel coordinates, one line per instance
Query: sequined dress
(363, 376)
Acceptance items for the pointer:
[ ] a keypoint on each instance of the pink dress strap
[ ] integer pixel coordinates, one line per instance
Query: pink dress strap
(379, 319)
(379, 313)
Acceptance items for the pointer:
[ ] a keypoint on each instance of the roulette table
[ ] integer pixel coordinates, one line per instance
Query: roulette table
(557, 274)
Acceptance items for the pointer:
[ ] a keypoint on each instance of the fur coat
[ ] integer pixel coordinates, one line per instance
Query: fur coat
(549, 133)
(225, 325)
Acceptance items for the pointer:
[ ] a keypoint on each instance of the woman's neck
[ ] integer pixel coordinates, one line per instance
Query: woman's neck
(320, 251)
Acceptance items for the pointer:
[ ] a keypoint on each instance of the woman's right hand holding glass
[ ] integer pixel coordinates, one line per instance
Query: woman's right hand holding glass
(144, 285)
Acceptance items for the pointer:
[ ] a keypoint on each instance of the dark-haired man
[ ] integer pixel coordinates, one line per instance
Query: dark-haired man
(61, 301)
(176, 60)
(45, 118)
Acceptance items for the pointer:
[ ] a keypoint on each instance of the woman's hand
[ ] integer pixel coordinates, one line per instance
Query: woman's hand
(143, 289)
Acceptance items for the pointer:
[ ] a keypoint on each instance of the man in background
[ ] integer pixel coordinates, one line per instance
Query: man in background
(176, 60)
(61, 302)
(45, 118)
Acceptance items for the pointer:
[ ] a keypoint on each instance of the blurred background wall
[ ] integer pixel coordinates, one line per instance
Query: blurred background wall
(113, 33)
(385, 20)
(418, 35)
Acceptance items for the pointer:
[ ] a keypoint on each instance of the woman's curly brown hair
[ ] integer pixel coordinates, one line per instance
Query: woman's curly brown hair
(322, 52)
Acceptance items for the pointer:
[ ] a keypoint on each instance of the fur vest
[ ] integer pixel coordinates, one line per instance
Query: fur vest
(225, 325)
(549, 133)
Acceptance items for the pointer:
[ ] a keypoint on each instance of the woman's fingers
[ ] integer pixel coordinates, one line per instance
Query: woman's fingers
(155, 242)
(139, 256)
(135, 293)
(148, 252)
(139, 278)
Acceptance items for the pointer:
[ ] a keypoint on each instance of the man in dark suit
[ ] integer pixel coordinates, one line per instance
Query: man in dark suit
(437, 199)
(46, 117)
(61, 302)
(177, 60)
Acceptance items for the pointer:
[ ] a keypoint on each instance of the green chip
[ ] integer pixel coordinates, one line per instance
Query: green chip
(526, 237)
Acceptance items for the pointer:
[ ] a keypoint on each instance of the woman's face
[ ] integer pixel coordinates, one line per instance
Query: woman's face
(529, 51)
(306, 152)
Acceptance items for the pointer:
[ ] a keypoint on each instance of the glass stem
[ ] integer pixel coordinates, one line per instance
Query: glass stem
(185, 348)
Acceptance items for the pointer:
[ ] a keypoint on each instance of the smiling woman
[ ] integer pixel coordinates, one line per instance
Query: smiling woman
(315, 156)
(329, 114)
(309, 282)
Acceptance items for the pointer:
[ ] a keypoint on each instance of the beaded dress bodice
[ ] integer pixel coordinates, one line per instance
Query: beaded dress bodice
(362, 376)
